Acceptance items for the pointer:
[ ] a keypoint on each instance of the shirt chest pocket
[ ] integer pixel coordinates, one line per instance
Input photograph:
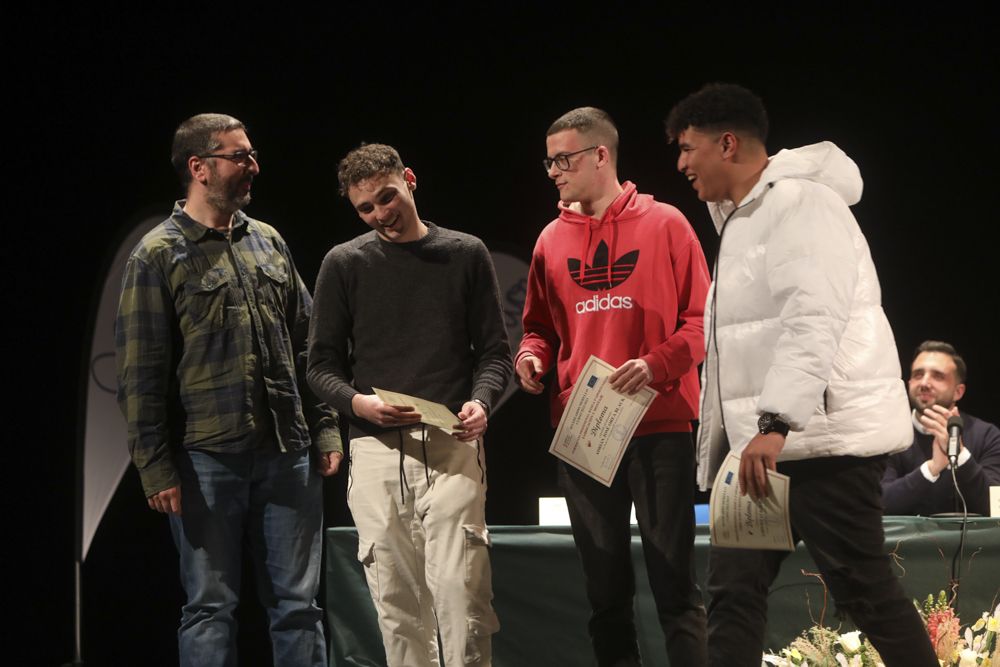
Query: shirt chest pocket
(272, 283)
(209, 303)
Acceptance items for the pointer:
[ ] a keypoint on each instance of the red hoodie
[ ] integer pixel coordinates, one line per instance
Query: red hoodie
(632, 284)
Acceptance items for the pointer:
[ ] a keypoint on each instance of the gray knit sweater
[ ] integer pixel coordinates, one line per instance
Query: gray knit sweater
(422, 318)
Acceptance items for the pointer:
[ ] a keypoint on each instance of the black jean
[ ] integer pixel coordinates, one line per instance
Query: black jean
(657, 474)
(836, 509)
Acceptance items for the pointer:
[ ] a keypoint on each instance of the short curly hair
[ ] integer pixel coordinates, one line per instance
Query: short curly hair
(365, 161)
(719, 107)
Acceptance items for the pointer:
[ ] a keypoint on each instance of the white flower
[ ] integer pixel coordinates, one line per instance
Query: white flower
(967, 658)
(851, 641)
(855, 661)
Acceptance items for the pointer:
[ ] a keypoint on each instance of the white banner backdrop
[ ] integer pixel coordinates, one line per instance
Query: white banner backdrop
(105, 449)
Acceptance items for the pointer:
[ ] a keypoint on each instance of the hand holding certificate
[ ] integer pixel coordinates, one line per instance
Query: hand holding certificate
(431, 413)
(598, 422)
(738, 521)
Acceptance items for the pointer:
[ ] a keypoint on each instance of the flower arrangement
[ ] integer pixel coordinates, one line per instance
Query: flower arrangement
(942, 625)
(823, 647)
(977, 646)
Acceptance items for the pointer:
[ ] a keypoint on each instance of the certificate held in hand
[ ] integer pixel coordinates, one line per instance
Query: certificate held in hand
(739, 522)
(598, 423)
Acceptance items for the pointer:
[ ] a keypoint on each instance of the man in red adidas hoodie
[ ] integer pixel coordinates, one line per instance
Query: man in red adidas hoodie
(622, 276)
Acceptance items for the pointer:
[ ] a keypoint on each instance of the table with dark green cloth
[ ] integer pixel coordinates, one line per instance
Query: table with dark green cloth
(539, 591)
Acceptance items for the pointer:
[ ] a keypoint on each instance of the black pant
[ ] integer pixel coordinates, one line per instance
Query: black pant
(657, 474)
(836, 509)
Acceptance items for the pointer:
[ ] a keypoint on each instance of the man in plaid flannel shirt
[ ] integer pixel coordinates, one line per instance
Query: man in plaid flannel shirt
(222, 427)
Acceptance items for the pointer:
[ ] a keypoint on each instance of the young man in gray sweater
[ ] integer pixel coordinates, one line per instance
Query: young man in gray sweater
(414, 308)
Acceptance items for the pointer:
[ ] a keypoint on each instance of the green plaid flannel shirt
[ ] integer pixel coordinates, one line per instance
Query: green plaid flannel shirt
(184, 335)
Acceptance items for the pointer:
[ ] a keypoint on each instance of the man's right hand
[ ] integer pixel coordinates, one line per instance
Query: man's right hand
(167, 501)
(371, 407)
(529, 369)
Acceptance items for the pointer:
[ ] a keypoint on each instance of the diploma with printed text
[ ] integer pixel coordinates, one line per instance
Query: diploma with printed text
(739, 521)
(431, 413)
(598, 423)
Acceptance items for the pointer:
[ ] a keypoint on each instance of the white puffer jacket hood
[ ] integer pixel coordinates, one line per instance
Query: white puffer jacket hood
(794, 322)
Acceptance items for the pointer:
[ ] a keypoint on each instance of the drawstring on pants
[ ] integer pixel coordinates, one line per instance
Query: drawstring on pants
(423, 447)
(479, 462)
(403, 486)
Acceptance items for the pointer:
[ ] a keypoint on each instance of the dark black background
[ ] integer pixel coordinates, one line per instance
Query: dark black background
(465, 92)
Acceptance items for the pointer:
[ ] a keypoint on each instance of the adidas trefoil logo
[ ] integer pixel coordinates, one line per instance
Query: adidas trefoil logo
(595, 277)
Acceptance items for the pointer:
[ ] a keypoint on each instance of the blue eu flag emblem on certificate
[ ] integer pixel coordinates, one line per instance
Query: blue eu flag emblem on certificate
(592, 381)
(729, 478)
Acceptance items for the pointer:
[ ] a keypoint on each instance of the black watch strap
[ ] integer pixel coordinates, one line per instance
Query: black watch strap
(771, 423)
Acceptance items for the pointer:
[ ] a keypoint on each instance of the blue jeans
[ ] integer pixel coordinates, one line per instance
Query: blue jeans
(272, 502)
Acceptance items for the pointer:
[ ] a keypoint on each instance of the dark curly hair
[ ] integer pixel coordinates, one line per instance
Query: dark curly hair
(719, 107)
(365, 161)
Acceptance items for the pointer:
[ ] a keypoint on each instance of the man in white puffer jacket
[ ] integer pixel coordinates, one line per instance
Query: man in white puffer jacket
(801, 374)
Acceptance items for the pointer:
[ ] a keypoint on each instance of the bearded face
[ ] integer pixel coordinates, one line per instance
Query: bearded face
(934, 381)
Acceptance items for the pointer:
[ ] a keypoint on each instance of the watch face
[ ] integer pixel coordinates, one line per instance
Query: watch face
(769, 423)
(765, 422)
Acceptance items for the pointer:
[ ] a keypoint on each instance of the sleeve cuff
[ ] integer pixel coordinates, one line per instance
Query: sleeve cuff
(159, 477)
(328, 440)
(964, 456)
(543, 357)
(925, 470)
(656, 367)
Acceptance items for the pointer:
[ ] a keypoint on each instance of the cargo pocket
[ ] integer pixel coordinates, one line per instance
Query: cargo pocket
(366, 556)
(477, 539)
(481, 621)
(478, 639)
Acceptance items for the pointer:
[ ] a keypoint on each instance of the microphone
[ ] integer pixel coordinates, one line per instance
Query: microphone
(955, 426)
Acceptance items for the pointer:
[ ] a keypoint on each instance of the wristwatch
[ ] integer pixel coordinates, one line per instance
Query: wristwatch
(771, 423)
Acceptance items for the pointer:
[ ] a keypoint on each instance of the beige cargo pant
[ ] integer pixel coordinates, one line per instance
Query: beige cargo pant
(423, 543)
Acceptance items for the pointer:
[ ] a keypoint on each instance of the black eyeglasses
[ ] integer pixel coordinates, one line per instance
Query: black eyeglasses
(242, 158)
(562, 160)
